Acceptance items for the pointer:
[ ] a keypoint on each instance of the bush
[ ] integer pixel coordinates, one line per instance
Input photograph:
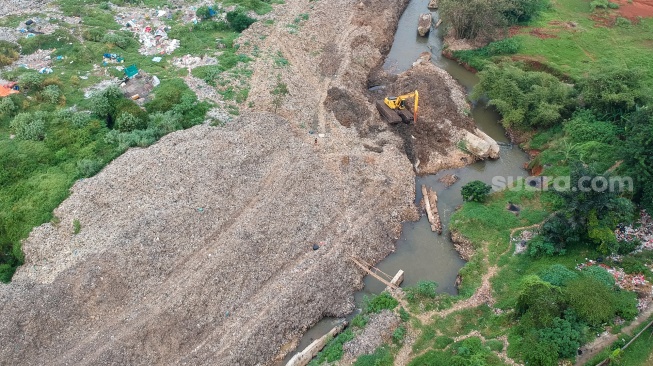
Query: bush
(403, 314)
(524, 98)
(591, 299)
(600, 274)
(612, 91)
(441, 342)
(602, 4)
(380, 302)
(521, 11)
(333, 350)
(88, 168)
(7, 107)
(380, 357)
(475, 191)
(584, 127)
(472, 19)
(359, 321)
(127, 122)
(398, 335)
(30, 80)
(558, 275)
(29, 126)
(564, 335)
(51, 94)
(539, 301)
(121, 40)
(239, 21)
(507, 46)
(9, 52)
(626, 304)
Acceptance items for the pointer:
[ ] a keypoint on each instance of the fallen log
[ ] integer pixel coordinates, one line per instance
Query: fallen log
(304, 357)
(431, 207)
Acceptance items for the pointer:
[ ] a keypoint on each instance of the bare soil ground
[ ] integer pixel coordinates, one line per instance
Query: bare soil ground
(198, 249)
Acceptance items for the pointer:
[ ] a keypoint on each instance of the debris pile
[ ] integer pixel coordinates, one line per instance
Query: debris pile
(191, 62)
(642, 230)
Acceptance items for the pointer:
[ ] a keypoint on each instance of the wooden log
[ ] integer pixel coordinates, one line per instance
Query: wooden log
(431, 207)
(438, 23)
(304, 357)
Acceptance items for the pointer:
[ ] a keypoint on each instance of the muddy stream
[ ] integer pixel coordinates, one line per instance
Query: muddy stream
(422, 254)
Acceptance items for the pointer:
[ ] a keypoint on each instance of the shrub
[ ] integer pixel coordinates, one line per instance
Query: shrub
(380, 357)
(612, 91)
(600, 274)
(121, 40)
(626, 304)
(521, 11)
(475, 191)
(539, 300)
(612, 5)
(30, 80)
(359, 321)
(524, 98)
(380, 302)
(51, 94)
(88, 168)
(558, 275)
(7, 107)
(602, 4)
(77, 227)
(29, 126)
(9, 52)
(472, 19)
(584, 127)
(591, 299)
(403, 314)
(563, 334)
(203, 12)
(333, 350)
(507, 46)
(239, 21)
(398, 335)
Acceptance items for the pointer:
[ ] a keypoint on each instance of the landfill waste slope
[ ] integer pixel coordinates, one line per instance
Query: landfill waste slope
(200, 249)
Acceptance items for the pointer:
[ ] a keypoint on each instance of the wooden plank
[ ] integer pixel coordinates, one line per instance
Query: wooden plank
(374, 274)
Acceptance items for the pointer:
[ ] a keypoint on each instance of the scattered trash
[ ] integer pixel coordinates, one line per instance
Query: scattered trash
(642, 230)
(29, 22)
(155, 81)
(45, 70)
(316, 247)
(131, 71)
(156, 59)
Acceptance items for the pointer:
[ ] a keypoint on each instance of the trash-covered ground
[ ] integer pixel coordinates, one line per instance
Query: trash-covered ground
(642, 230)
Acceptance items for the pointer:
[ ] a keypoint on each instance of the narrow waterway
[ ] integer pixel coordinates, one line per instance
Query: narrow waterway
(422, 254)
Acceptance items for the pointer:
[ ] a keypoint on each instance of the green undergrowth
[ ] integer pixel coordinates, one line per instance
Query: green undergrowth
(489, 224)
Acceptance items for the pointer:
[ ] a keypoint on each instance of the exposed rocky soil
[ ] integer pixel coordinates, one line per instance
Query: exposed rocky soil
(198, 249)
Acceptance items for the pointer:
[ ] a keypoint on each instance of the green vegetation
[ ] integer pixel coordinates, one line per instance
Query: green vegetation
(475, 191)
(381, 302)
(52, 145)
(485, 19)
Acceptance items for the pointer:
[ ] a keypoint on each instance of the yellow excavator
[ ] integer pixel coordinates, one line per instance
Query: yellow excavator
(394, 109)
